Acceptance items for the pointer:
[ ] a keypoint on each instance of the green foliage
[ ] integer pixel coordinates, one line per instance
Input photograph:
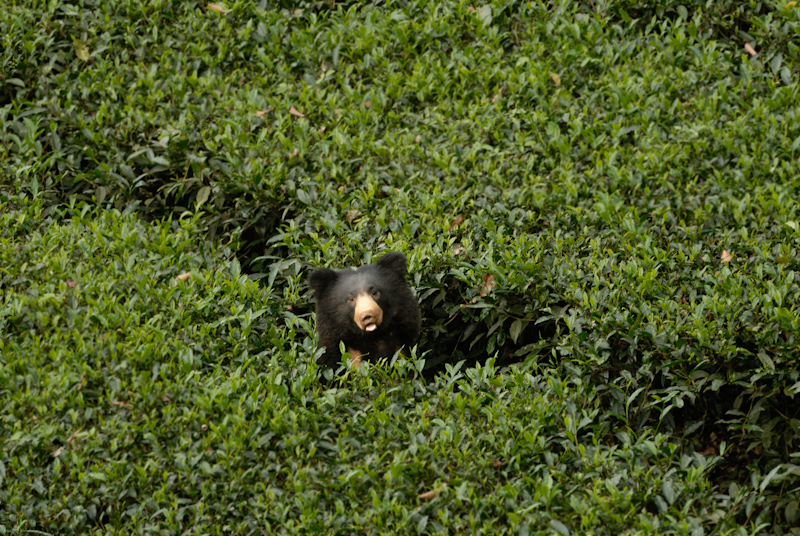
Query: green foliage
(135, 402)
(609, 187)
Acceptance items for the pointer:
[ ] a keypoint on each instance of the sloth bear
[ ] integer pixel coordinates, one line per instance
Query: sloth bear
(371, 309)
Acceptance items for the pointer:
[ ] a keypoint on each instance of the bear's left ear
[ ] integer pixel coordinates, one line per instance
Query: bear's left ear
(394, 263)
(320, 279)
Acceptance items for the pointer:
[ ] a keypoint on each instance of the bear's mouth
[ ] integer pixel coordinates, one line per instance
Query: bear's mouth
(367, 314)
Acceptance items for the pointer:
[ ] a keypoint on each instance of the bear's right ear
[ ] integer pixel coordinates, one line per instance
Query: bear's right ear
(320, 279)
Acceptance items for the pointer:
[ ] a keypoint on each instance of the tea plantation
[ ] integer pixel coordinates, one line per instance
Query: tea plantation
(598, 201)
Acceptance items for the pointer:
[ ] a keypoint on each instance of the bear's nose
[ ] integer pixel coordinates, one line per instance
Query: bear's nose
(368, 321)
(368, 315)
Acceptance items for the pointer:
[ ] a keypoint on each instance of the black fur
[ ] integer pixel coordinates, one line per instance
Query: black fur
(401, 318)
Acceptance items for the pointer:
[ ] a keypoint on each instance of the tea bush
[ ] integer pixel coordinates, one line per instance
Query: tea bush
(138, 401)
(605, 188)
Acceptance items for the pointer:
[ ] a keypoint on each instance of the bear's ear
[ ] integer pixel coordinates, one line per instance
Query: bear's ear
(320, 279)
(394, 263)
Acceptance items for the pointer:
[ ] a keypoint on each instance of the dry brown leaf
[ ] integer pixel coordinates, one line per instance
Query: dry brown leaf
(71, 283)
(456, 222)
(295, 112)
(73, 435)
(165, 399)
(555, 78)
(368, 104)
(262, 113)
(116, 403)
(488, 285)
(430, 495)
(323, 66)
(218, 8)
(182, 277)
(418, 138)
(204, 427)
(350, 216)
(498, 463)
(83, 382)
(471, 9)
(58, 452)
(726, 257)
(749, 49)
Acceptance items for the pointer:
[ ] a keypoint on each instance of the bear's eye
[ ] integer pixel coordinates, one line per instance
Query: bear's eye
(376, 293)
(351, 299)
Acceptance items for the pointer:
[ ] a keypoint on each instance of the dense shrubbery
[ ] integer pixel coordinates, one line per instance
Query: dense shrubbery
(606, 187)
(137, 402)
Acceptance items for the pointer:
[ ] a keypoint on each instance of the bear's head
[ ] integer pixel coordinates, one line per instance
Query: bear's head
(360, 299)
